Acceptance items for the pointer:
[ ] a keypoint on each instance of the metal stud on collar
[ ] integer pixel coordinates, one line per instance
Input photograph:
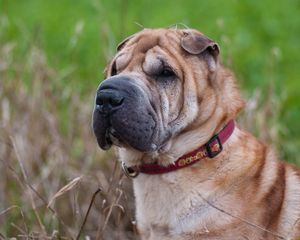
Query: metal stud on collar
(130, 172)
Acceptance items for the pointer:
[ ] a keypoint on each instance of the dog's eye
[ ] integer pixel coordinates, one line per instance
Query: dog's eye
(167, 72)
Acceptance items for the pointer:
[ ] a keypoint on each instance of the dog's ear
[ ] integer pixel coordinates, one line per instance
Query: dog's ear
(122, 44)
(196, 44)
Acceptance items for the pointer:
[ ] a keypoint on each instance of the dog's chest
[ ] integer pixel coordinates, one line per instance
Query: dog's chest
(171, 206)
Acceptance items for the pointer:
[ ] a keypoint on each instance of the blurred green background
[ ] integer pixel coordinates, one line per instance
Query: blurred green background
(53, 53)
(259, 40)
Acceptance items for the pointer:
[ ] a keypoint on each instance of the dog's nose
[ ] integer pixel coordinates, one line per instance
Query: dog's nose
(108, 100)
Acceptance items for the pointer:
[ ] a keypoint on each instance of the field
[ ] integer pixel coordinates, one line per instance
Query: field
(52, 57)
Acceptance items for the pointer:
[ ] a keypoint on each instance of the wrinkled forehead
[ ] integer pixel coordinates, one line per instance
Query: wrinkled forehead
(150, 38)
(150, 47)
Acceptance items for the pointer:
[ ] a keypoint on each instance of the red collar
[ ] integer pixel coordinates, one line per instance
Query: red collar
(211, 149)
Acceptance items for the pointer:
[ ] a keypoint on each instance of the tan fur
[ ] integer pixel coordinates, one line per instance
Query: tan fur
(243, 193)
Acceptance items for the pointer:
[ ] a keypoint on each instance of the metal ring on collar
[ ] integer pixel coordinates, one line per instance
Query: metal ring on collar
(130, 172)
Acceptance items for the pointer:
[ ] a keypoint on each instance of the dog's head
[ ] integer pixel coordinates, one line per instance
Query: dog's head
(161, 83)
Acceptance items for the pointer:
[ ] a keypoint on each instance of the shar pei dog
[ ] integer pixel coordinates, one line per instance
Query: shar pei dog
(169, 107)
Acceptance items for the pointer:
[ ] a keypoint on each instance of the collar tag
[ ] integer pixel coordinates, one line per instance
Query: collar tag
(214, 146)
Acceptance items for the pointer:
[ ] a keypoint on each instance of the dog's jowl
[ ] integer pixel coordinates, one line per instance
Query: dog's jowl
(169, 108)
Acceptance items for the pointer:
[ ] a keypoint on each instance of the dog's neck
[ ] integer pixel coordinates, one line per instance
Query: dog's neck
(192, 139)
(174, 149)
(210, 149)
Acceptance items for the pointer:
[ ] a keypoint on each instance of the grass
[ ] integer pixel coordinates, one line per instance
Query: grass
(38, 159)
(52, 55)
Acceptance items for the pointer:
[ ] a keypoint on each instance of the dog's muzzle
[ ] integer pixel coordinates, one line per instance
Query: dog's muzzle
(123, 115)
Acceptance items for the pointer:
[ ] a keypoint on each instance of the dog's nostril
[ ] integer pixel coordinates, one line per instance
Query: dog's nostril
(117, 101)
(108, 99)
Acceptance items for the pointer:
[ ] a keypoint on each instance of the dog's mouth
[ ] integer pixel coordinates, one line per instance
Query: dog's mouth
(124, 132)
(106, 135)
(113, 138)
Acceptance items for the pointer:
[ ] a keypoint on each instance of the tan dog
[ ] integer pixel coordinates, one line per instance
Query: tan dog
(165, 96)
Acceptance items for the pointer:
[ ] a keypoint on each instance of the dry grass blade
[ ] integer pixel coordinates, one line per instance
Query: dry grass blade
(109, 212)
(41, 151)
(26, 180)
(139, 25)
(87, 213)
(24, 183)
(22, 214)
(65, 189)
(19, 229)
(8, 209)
